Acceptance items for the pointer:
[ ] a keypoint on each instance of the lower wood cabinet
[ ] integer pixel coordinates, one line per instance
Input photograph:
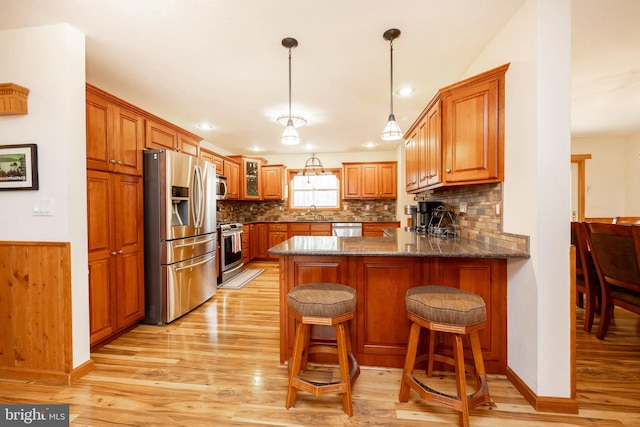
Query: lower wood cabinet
(277, 233)
(246, 243)
(380, 330)
(260, 242)
(309, 229)
(374, 229)
(116, 254)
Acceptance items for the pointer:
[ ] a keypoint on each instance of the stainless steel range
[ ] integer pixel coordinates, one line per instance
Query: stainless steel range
(230, 250)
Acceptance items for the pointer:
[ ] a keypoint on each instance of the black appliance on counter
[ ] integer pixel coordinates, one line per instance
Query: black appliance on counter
(425, 210)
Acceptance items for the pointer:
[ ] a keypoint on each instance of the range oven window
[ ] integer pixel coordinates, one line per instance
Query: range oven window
(232, 253)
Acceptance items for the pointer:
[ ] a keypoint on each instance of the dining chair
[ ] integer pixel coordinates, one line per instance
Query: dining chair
(616, 255)
(587, 284)
(628, 220)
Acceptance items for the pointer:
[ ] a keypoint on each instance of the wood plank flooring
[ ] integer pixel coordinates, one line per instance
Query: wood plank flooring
(219, 366)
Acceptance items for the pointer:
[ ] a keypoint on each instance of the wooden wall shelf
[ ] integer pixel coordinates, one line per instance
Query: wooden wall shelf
(13, 99)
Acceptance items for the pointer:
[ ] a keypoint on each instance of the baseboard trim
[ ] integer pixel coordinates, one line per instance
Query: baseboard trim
(46, 377)
(81, 371)
(541, 403)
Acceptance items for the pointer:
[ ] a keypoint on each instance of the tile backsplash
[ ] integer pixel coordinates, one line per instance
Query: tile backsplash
(481, 221)
(278, 210)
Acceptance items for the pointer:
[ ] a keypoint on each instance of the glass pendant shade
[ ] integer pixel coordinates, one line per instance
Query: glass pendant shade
(391, 131)
(290, 135)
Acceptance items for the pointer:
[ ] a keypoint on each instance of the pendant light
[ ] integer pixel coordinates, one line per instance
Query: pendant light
(391, 131)
(290, 135)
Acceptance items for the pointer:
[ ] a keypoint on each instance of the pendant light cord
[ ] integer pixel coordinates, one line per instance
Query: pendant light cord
(391, 78)
(289, 84)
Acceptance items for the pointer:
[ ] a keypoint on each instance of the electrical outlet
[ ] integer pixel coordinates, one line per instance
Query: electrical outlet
(498, 211)
(463, 207)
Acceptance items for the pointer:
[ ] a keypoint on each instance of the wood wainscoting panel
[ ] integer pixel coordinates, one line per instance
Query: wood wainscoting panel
(35, 311)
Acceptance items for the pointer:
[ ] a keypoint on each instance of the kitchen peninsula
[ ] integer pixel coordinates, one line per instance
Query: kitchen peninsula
(382, 269)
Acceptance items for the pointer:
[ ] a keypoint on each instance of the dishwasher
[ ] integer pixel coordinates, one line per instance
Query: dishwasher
(345, 229)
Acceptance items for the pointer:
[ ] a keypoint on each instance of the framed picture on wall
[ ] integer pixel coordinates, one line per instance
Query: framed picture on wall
(19, 167)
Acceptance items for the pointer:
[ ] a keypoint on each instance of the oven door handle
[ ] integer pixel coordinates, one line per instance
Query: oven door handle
(176, 269)
(202, 242)
(234, 268)
(231, 233)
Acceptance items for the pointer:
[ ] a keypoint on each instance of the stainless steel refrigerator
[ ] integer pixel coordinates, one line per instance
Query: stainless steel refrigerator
(180, 234)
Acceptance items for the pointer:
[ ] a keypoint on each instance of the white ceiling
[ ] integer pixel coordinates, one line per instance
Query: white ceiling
(222, 62)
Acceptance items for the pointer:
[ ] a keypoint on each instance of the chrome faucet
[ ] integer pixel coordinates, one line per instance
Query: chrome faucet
(315, 211)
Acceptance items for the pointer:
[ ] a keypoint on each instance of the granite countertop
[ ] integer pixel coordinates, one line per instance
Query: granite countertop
(400, 243)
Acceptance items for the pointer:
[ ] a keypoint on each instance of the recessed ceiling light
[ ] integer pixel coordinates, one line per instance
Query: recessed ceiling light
(206, 126)
(369, 145)
(405, 91)
(255, 148)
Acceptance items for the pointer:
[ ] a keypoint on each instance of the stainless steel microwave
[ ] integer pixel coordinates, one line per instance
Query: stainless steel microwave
(221, 187)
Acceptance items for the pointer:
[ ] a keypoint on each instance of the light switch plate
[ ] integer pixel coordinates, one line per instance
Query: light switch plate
(42, 207)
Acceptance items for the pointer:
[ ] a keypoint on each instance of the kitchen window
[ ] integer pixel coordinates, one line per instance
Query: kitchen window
(322, 191)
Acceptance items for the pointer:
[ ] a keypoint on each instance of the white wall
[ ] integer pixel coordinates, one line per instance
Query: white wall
(50, 62)
(537, 188)
(611, 175)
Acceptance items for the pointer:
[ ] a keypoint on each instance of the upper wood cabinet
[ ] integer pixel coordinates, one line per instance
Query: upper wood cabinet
(370, 180)
(232, 172)
(412, 156)
(473, 129)
(250, 177)
(115, 134)
(161, 136)
(459, 137)
(273, 182)
(214, 158)
(430, 142)
(188, 145)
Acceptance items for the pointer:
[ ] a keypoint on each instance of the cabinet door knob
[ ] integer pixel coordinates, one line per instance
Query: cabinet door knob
(119, 162)
(120, 251)
(112, 161)
(447, 170)
(113, 253)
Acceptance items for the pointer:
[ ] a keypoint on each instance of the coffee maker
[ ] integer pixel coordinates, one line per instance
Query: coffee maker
(424, 214)
(413, 211)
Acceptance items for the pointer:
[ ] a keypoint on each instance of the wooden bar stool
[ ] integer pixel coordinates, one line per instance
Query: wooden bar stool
(456, 312)
(329, 304)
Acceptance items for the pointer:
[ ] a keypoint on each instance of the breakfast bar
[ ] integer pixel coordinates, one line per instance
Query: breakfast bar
(381, 270)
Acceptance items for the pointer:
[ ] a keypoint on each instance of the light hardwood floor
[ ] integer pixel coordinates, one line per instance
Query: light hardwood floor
(219, 366)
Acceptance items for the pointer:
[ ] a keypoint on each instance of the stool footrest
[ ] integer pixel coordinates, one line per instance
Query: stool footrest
(479, 397)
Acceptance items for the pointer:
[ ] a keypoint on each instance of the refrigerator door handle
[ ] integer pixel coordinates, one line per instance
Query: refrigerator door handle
(176, 269)
(197, 202)
(201, 242)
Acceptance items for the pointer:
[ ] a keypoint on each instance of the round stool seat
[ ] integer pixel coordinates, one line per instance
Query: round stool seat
(322, 299)
(444, 304)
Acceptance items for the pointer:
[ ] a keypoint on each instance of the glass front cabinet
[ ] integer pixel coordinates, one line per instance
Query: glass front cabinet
(250, 185)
